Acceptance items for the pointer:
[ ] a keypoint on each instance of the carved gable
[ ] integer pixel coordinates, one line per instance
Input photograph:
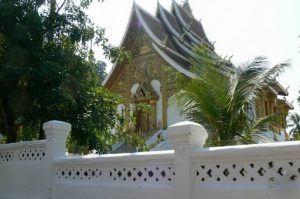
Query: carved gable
(144, 93)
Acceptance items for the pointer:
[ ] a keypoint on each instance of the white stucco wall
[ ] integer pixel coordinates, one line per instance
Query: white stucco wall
(38, 170)
(156, 87)
(125, 176)
(173, 112)
(22, 170)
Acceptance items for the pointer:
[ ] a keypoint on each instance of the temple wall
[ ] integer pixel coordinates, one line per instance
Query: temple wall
(40, 169)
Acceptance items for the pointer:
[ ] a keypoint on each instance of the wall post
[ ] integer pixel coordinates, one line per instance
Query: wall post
(184, 136)
(56, 136)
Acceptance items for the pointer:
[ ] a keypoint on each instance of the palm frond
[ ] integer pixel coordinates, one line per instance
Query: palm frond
(250, 79)
(264, 123)
(219, 95)
(294, 124)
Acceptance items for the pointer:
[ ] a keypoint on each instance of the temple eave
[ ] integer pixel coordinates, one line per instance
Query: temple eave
(180, 68)
(286, 103)
(279, 88)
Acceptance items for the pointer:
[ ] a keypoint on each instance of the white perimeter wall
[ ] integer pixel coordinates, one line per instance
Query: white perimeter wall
(262, 171)
(22, 170)
(249, 171)
(126, 176)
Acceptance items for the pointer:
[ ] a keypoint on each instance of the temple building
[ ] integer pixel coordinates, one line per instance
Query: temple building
(162, 47)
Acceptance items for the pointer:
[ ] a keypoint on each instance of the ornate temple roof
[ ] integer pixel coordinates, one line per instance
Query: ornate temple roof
(172, 34)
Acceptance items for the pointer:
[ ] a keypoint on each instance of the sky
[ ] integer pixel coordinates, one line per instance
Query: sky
(242, 28)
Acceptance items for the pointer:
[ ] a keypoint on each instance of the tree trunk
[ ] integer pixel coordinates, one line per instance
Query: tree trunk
(11, 130)
(3, 117)
(51, 19)
(42, 135)
(12, 134)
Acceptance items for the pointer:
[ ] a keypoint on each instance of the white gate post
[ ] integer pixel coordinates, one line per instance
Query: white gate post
(56, 136)
(184, 136)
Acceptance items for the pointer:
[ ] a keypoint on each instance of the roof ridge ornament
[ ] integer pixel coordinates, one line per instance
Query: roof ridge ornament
(186, 6)
(213, 43)
(287, 88)
(158, 4)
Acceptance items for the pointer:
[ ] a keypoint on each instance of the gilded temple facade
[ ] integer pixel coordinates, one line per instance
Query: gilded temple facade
(162, 47)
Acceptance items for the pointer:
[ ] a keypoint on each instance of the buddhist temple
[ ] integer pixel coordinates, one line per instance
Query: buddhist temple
(162, 47)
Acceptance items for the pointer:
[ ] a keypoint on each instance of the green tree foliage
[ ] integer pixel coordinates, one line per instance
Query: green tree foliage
(221, 95)
(294, 124)
(48, 71)
(298, 98)
(126, 128)
(101, 66)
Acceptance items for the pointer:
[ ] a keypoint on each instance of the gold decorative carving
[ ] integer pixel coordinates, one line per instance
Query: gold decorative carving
(142, 69)
(146, 121)
(145, 70)
(141, 44)
(145, 93)
(119, 85)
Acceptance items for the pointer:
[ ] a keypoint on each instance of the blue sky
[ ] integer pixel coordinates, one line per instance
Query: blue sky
(244, 29)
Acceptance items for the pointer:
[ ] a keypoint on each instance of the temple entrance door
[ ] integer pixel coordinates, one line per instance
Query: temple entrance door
(142, 123)
(145, 119)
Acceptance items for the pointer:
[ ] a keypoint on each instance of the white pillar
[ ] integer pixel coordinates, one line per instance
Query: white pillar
(56, 136)
(184, 136)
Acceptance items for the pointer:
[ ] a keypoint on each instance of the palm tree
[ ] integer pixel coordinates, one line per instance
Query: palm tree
(221, 97)
(294, 124)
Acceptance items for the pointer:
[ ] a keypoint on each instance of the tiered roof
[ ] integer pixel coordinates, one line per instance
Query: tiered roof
(172, 35)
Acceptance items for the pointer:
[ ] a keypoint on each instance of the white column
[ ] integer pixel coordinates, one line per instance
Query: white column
(184, 136)
(56, 136)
